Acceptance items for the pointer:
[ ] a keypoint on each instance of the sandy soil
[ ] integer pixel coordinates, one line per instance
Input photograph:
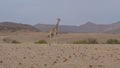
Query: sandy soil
(59, 56)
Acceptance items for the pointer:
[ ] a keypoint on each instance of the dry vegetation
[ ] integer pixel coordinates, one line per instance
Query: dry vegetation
(68, 38)
(31, 51)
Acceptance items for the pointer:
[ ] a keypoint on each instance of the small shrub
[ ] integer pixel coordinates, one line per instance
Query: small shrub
(80, 42)
(8, 40)
(88, 41)
(5, 40)
(41, 42)
(15, 41)
(92, 41)
(112, 41)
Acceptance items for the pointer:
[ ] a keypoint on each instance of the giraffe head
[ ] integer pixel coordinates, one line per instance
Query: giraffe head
(58, 19)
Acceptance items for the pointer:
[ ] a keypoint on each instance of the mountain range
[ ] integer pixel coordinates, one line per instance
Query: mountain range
(88, 27)
(62, 28)
(13, 27)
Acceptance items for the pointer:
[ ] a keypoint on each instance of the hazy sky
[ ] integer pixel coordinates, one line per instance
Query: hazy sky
(72, 12)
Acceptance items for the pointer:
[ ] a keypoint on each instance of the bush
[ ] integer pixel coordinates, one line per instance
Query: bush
(14, 41)
(8, 40)
(41, 42)
(88, 41)
(80, 42)
(92, 41)
(112, 41)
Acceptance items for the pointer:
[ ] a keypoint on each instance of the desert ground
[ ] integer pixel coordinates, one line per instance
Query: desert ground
(62, 38)
(63, 54)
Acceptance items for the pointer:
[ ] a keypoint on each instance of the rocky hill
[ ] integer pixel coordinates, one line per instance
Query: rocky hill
(88, 27)
(62, 28)
(13, 27)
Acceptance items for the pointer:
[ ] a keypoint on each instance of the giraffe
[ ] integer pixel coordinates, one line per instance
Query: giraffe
(53, 32)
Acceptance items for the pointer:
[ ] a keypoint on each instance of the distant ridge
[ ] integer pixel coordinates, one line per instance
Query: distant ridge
(13, 27)
(62, 28)
(88, 27)
(100, 28)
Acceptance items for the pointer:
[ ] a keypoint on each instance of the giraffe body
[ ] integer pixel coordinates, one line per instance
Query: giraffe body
(53, 32)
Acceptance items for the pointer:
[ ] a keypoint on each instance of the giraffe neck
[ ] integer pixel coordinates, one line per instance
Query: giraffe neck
(54, 31)
(56, 26)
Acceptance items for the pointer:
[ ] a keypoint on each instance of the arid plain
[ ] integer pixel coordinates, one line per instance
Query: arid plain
(64, 54)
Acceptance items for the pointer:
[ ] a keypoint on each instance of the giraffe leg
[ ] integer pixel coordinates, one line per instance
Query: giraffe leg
(55, 39)
(50, 39)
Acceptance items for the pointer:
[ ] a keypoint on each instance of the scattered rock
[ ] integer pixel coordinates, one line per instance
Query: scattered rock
(69, 56)
(54, 62)
(65, 59)
(90, 66)
(24, 57)
(20, 63)
(1, 61)
(45, 64)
